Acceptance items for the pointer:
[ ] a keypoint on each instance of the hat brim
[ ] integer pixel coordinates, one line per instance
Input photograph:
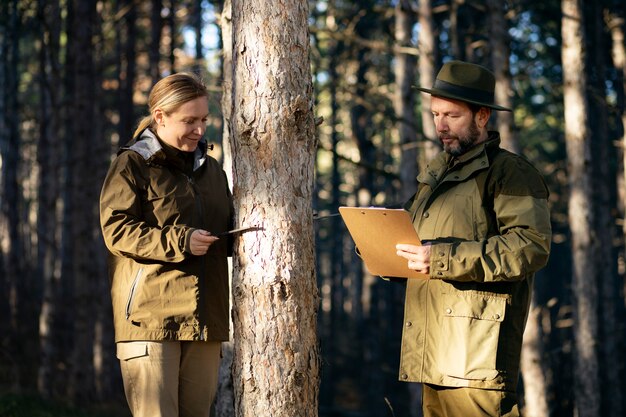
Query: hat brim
(445, 94)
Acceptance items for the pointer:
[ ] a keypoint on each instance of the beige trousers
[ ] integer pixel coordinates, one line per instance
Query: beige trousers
(468, 402)
(171, 378)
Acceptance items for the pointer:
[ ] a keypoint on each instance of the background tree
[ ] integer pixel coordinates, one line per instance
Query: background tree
(578, 137)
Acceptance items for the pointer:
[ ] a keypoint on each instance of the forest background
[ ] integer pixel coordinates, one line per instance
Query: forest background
(74, 77)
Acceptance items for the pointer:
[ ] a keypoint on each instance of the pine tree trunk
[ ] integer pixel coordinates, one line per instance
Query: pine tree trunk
(84, 195)
(533, 372)
(427, 72)
(225, 401)
(156, 29)
(276, 362)
(404, 99)
(611, 356)
(578, 137)
(11, 237)
(499, 40)
(48, 157)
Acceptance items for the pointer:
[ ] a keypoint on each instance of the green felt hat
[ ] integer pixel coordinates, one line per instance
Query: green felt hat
(467, 82)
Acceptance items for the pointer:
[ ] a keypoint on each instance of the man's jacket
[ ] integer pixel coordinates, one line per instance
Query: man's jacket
(153, 198)
(486, 215)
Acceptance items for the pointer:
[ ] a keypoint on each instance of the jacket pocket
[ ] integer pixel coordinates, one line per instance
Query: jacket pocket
(132, 293)
(471, 325)
(131, 350)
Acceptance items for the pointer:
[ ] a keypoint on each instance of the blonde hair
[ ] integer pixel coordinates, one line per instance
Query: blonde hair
(169, 93)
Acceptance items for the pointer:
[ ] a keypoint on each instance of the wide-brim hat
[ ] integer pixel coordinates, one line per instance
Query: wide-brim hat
(467, 82)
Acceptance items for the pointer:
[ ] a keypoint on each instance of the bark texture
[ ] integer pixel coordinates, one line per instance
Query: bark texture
(275, 298)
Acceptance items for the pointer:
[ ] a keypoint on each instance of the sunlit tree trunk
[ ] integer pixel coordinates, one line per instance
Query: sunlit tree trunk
(427, 72)
(404, 99)
(532, 366)
(276, 361)
(581, 221)
(499, 40)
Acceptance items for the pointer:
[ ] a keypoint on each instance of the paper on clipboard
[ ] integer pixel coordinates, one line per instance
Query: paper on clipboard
(376, 231)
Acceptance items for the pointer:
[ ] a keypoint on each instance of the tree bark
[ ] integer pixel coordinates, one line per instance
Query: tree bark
(275, 297)
(427, 73)
(84, 195)
(499, 40)
(156, 29)
(48, 213)
(225, 401)
(404, 99)
(581, 221)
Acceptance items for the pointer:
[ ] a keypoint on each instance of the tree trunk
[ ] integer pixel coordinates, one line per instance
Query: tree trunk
(126, 40)
(48, 213)
(404, 99)
(427, 72)
(532, 366)
(84, 195)
(578, 137)
(276, 361)
(11, 237)
(156, 29)
(225, 401)
(499, 41)
(604, 186)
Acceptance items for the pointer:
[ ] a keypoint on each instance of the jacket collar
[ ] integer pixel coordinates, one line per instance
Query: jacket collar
(463, 166)
(150, 147)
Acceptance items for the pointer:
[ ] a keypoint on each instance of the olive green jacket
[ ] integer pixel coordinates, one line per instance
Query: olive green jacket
(486, 216)
(152, 199)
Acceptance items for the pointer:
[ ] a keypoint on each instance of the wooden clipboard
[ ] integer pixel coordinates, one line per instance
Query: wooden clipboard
(376, 231)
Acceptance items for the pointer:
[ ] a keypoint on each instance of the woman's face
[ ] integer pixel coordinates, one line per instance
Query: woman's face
(184, 127)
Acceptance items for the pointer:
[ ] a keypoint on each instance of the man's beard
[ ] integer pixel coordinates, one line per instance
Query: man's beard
(465, 143)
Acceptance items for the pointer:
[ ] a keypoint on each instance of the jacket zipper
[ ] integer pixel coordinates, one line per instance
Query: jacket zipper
(133, 288)
(202, 274)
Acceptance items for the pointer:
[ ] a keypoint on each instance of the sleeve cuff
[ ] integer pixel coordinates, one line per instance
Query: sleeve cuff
(440, 260)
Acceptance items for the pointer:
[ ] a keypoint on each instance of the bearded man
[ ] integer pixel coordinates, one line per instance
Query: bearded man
(482, 215)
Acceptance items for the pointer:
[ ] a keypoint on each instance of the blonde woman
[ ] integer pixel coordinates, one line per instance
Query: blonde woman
(162, 204)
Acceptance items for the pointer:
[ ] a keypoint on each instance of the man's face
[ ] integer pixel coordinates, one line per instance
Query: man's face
(457, 126)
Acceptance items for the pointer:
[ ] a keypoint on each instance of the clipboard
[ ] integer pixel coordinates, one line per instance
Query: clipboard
(376, 231)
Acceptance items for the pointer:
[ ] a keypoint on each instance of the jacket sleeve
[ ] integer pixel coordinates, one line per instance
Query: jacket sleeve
(125, 230)
(518, 198)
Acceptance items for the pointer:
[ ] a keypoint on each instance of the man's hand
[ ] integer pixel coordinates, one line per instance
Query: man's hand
(418, 257)
(200, 242)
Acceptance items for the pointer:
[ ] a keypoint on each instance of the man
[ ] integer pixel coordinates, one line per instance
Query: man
(482, 215)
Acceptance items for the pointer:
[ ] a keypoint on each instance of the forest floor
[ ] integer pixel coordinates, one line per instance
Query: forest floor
(12, 405)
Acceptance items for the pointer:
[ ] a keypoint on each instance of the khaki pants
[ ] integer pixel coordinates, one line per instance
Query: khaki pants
(468, 402)
(169, 379)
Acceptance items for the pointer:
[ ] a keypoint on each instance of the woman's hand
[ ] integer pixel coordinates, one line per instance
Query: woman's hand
(418, 257)
(200, 242)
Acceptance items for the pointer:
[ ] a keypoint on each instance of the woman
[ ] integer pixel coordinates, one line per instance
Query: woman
(162, 204)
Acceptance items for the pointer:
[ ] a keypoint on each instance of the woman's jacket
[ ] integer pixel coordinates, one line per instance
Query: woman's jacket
(154, 196)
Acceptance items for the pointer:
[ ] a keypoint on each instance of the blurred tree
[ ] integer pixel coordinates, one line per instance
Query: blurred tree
(84, 179)
(578, 139)
(49, 156)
